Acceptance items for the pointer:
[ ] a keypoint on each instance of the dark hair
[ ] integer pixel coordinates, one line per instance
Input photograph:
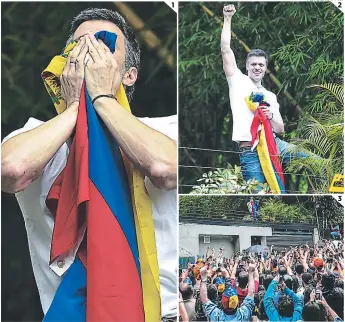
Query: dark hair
(282, 270)
(267, 281)
(306, 278)
(132, 57)
(285, 306)
(262, 313)
(307, 293)
(327, 281)
(299, 268)
(261, 278)
(288, 281)
(339, 283)
(212, 292)
(186, 291)
(242, 279)
(295, 283)
(257, 53)
(335, 300)
(313, 311)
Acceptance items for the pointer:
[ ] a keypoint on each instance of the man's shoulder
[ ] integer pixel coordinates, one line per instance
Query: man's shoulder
(237, 77)
(29, 125)
(155, 121)
(166, 125)
(270, 94)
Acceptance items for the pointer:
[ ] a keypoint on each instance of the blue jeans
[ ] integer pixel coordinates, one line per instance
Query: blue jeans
(335, 234)
(250, 163)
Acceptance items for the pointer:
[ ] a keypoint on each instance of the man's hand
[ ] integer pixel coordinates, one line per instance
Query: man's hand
(102, 73)
(229, 10)
(283, 286)
(203, 272)
(251, 268)
(72, 77)
(266, 111)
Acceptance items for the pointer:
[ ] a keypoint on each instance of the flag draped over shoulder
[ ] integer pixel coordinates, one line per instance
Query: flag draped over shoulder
(263, 139)
(115, 274)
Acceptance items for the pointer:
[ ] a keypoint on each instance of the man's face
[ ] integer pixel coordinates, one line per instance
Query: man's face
(256, 68)
(94, 26)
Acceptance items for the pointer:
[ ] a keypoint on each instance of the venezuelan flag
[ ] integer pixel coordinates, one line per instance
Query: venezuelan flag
(263, 139)
(115, 275)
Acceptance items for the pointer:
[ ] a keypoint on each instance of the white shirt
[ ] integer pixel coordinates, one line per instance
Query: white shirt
(241, 86)
(39, 223)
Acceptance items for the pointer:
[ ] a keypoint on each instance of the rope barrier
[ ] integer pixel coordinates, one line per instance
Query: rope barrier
(215, 168)
(239, 152)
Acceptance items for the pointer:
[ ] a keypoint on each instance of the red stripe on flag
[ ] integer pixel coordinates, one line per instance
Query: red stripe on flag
(113, 294)
(71, 189)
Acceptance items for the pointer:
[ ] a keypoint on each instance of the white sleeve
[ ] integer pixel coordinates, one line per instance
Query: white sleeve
(234, 78)
(29, 125)
(275, 106)
(166, 125)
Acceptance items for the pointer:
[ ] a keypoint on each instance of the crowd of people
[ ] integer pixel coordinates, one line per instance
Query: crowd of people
(297, 284)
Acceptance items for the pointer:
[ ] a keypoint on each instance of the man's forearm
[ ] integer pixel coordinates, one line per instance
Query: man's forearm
(25, 155)
(225, 39)
(151, 151)
(251, 284)
(203, 293)
(233, 272)
(277, 124)
(256, 275)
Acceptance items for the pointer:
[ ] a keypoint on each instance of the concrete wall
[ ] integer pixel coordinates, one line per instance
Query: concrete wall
(190, 237)
(216, 242)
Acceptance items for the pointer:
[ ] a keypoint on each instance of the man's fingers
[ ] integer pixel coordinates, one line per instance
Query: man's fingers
(96, 45)
(81, 58)
(103, 46)
(92, 50)
(76, 50)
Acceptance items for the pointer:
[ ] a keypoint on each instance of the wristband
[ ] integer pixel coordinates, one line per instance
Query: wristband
(271, 117)
(103, 95)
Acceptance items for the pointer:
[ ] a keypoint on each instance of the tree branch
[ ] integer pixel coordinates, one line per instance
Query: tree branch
(148, 36)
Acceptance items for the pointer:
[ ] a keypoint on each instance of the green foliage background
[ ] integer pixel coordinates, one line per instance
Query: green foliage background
(304, 41)
(286, 208)
(32, 33)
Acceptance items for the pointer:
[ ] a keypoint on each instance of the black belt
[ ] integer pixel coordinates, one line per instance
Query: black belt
(171, 319)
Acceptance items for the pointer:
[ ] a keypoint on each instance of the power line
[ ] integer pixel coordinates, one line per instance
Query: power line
(216, 168)
(239, 152)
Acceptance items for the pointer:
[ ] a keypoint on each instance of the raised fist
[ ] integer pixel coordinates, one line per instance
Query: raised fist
(251, 268)
(229, 10)
(203, 272)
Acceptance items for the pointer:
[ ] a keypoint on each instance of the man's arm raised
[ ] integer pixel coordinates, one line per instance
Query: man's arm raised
(229, 61)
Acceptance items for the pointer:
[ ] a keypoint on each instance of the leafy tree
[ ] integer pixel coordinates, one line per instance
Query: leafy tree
(272, 209)
(227, 181)
(322, 130)
(305, 46)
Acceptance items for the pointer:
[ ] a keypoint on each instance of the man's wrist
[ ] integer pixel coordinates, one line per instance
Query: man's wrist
(102, 96)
